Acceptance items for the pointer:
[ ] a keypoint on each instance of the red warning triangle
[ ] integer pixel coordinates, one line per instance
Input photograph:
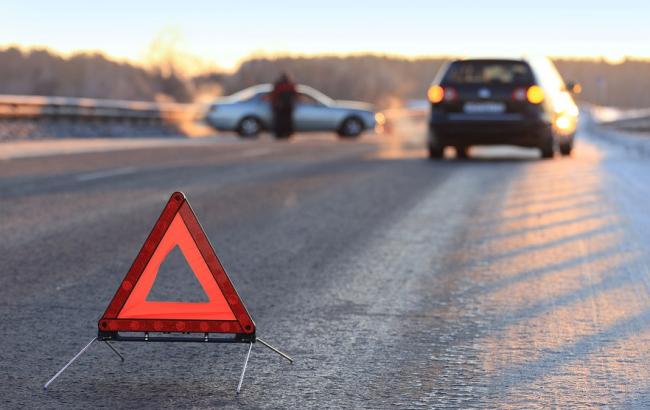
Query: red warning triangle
(130, 311)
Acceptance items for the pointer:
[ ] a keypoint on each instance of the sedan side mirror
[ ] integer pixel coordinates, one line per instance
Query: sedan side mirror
(573, 87)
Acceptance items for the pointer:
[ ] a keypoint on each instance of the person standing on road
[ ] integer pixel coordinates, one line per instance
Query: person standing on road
(283, 98)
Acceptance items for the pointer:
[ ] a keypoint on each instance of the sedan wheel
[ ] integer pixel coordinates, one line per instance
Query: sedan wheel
(249, 127)
(352, 127)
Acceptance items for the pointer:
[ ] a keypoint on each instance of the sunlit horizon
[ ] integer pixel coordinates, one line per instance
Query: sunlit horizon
(206, 66)
(217, 35)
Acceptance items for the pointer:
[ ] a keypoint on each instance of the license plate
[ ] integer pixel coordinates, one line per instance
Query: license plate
(484, 108)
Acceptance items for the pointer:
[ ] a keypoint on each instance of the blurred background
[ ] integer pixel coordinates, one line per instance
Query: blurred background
(381, 52)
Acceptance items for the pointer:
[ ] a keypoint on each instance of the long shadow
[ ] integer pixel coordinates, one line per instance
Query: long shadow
(531, 371)
(551, 199)
(540, 272)
(540, 227)
(556, 189)
(566, 239)
(501, 219)
(532, 199)
(608, 282)
(500, 321)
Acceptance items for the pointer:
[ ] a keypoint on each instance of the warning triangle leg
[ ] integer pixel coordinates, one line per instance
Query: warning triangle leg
(276, 350)
(114, 349)
(243, 372)
(248, 355)
(70, 362)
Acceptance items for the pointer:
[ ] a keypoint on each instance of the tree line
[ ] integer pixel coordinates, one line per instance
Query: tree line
(384, 80)
(89, 75)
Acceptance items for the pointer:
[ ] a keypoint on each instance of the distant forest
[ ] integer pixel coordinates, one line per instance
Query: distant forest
(384, 80)
(40, 72)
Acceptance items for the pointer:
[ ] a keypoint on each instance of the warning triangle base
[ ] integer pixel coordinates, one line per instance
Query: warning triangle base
(170, 337)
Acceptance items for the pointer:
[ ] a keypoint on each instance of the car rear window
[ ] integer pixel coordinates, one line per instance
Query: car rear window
(488, 72)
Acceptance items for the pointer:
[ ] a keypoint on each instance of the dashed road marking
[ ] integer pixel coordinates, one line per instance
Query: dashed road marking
(256, 152)
(105, 174)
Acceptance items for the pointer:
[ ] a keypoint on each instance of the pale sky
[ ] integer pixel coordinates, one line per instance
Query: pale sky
(225, 32)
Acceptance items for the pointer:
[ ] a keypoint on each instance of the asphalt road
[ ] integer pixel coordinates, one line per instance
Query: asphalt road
(395, 282)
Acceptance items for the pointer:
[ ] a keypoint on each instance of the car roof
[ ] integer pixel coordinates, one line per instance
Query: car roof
(514, 58)
(490, 59)
(266, 88)
(261, 88)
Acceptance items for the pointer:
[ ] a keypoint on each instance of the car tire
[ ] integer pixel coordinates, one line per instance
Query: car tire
(462, 152)
(436, 151)
(351, 128)
(566, 148)
(249, 127)
(548, 146)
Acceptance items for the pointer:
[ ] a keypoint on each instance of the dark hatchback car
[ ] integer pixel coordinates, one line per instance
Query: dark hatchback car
(521, 102)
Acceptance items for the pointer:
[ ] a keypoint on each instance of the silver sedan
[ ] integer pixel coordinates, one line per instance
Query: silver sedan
(248, 112)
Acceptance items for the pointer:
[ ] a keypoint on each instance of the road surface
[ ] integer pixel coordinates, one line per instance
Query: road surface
(395, 282)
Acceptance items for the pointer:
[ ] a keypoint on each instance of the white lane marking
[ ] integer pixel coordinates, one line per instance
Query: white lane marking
(105, 174)
(66, 146)
(256, 152)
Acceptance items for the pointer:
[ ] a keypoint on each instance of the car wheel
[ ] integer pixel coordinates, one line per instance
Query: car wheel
(249, 127)
(436, 151)
(566, 148)
(462, 152)
(351, 128)
(548, 146)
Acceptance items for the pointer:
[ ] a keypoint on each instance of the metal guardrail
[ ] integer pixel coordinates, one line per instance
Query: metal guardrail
(641, 124)
(23, 106)
(629, 120)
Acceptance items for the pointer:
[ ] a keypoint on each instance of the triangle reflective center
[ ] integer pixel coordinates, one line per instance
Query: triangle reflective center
(130, 310)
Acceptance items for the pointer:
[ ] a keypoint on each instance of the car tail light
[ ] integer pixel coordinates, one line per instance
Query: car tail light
(436, 94)
(451, 94)
(535, 94)
(519, 94)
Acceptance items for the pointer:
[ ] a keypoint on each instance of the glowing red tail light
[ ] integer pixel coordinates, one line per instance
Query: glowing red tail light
(451, 94)
(519, 94)
(437, 94)
(533, 94)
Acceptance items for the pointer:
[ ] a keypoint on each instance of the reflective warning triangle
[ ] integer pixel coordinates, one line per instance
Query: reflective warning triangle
(130, 311)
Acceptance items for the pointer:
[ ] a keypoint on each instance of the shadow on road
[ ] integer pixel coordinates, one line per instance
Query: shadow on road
(548, 263)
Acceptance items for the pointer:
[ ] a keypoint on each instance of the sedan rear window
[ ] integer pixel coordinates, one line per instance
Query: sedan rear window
(488, 72)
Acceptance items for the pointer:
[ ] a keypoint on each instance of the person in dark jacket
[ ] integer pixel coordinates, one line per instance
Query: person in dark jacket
(283, 99)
